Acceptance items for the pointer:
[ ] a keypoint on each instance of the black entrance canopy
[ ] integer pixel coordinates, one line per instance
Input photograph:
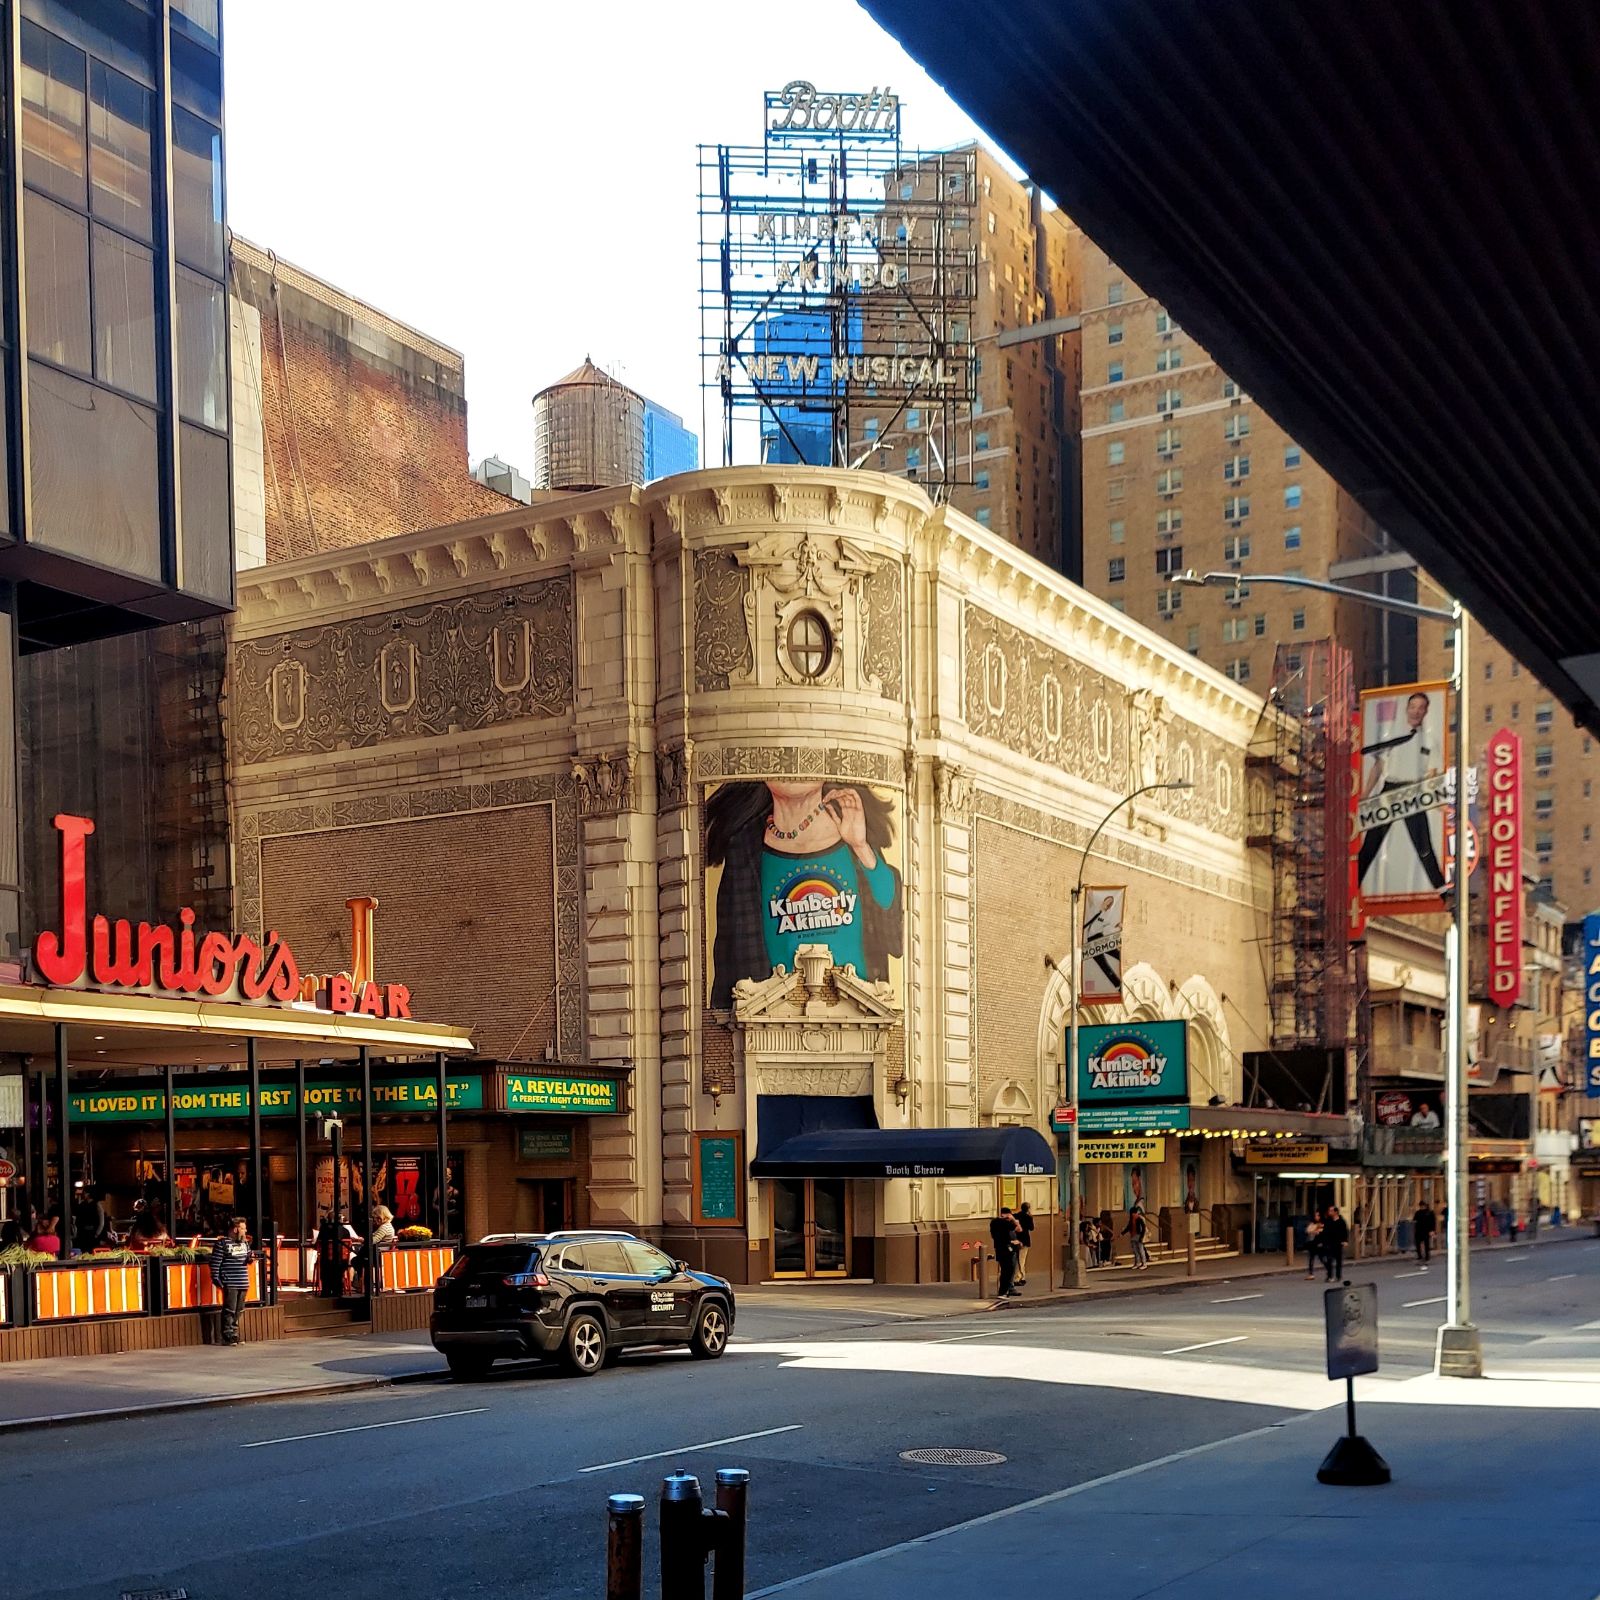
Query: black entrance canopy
(908, 1153)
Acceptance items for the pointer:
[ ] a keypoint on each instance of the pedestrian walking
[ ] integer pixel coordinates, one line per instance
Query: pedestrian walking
(1005, 1235)
(1108, 1239)
(1335, 1236)
(1313, 1244)
(230, 1271)
(1025, 1231)
(1136, 1230)
(1423, 1227)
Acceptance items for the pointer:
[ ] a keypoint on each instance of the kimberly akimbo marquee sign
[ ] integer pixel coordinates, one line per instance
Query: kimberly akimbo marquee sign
(1133, 1063)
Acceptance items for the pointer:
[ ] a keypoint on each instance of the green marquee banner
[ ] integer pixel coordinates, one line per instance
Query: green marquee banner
(584, 1096)
(135, 1102)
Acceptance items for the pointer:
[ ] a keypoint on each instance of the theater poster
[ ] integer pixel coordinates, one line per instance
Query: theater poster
(796, 861)
(1100, 971)
(1400, 805)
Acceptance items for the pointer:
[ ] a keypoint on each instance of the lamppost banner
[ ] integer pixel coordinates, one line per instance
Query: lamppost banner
(1400, 820)
(1100, 983)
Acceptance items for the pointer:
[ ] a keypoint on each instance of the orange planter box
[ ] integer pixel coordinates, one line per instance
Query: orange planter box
(416, 1267)
(83, 1291)
(189, 1286)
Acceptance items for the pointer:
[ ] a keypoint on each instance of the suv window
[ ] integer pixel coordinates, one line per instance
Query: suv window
(492, 1259)
(646, 1260)
(604, 1255)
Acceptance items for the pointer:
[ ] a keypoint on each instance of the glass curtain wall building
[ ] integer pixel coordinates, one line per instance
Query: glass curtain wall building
(117, 536)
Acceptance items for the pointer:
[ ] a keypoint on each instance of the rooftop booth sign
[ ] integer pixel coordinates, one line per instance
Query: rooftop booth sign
(162, 959)
(1125, 1063)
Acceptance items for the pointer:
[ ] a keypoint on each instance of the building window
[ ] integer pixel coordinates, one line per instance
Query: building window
(1588, 832)
(1236, 547)
(1291, 497)
(1169, 602)
(1169, 360)
(1488, 671)
(1169, 560)
(1236, 508)
(1168, 440)
(913, 458)
(981, 478)
(1230, 390)
(872, 427)
(981, 442)
(1236, 467)
(1291, 455)
(1237, 427)
(1235, 630)
(1516, 710)
(1164, 323)
(1119, 604)
(1488, 713)
(1115, 531)
(1169, 481)
(913, 419)
(1193, 643)
(810, 644)
(1291, 538)
(1588, 876)
(983, 515)
(1544, 757)
(1297, 619)
(1544, 714)
(1238, 669)
(1544, 844)
(1169, 400)
(1114, 372)
(1114, 292)
(1115, 488)
(1117, 412)
(1516, 669)
(1261, 625)
(1168, 523)
(1114, 333)
(1116, 453)
(1116, 569)
(1544, 803)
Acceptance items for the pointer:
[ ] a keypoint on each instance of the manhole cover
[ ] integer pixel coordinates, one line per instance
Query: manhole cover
(953, 1458)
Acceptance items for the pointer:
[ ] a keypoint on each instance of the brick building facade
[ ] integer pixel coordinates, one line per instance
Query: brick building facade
(542, 739)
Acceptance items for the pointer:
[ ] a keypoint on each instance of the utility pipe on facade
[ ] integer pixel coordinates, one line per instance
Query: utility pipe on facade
(1067, 1204)
(1459, 1350)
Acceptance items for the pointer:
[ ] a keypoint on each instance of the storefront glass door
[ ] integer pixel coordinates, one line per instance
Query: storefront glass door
(810, 1228)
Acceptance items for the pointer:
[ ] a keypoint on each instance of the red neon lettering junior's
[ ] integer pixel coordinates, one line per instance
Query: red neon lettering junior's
(153, 956)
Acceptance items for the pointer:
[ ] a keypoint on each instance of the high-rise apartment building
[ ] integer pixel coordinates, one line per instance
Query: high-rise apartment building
(1012, 464)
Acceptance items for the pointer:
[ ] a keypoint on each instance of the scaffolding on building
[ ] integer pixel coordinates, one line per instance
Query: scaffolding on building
(1299, 763)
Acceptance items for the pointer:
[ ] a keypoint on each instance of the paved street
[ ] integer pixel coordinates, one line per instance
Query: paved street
(436, 1489)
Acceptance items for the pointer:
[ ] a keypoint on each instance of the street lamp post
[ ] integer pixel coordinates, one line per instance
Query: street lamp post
(1067, 1202)
(1459, 1349)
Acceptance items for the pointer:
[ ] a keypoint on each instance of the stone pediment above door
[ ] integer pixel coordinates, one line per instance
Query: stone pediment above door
(818, 1030)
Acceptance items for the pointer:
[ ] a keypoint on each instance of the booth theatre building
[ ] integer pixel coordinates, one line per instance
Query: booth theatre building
(737, 818)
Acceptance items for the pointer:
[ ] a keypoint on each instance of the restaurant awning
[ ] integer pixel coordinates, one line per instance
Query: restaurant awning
(908, 1153)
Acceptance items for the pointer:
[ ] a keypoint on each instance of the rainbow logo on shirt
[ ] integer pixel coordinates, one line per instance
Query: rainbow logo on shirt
(812, 903)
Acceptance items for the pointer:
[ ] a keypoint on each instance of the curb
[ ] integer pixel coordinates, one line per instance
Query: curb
(63, 1419)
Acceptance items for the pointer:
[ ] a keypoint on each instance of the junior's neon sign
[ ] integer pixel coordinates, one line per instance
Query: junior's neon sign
(162, 959)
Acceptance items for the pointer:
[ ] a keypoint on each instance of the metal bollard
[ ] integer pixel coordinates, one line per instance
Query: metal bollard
(733, 1497)
(1188, 1243)
(625, 1547)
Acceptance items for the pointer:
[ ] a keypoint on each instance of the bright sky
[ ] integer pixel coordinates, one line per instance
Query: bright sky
(517, 177)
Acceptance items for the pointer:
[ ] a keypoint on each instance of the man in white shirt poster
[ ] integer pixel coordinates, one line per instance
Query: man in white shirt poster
(1402, 744)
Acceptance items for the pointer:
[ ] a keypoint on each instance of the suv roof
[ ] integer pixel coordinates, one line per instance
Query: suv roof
(559, 1236)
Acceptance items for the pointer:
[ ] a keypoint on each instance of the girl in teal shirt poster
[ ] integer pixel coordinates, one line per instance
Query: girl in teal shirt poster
(802, 863)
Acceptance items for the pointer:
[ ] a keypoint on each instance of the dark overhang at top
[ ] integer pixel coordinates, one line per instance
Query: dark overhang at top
(1378, 218)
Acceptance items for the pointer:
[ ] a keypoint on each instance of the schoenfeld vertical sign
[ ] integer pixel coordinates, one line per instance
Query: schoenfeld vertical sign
(1591, 1005)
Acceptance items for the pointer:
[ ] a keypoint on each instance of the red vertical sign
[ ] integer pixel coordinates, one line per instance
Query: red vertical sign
(1504, 761)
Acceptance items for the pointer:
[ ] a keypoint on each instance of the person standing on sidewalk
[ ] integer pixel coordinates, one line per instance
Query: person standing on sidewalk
(1136, 1231)
(230, 1271)
(1423, 1227)
(1335, 1236)
(1025, 1233)
(1003, 1231)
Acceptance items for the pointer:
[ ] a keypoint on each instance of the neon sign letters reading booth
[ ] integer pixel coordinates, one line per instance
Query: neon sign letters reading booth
(156, 958)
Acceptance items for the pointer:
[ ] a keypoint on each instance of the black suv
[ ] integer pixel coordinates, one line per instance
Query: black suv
(579, 1296)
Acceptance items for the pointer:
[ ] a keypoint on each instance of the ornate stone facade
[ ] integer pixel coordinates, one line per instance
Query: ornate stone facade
(475, 661)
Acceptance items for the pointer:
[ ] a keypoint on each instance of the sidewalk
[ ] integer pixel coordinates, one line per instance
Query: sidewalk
(959, 1299)
(96, 1388)
(1488, 1500)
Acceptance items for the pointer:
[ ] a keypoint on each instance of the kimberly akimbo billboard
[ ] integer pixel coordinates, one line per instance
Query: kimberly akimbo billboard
(1127, 1062)
(795, 861)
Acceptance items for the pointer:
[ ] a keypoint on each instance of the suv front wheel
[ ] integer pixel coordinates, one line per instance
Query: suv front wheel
(710, 1336)
(583, 1350)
